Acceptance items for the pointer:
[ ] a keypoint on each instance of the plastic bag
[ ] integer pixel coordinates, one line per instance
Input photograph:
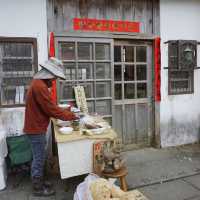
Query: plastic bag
(83, 189)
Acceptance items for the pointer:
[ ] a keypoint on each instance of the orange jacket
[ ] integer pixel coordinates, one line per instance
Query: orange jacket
(40, 107)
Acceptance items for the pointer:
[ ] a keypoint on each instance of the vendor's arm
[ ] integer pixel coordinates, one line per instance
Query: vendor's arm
(46, 104)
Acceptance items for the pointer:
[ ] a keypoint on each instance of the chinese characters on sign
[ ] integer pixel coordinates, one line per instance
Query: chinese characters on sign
(86, 24)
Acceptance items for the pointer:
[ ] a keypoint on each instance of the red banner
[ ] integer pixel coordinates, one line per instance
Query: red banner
(52, 54)
(86, 24)
(157, 60)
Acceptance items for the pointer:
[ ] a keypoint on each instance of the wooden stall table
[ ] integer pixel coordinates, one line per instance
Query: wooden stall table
(121, 175)
(75, 151)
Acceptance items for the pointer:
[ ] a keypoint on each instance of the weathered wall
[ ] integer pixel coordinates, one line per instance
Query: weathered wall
(21, 18)
(61, 12)
(179, 114)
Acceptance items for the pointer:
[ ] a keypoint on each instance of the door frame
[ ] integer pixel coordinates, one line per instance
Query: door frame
(137, 38)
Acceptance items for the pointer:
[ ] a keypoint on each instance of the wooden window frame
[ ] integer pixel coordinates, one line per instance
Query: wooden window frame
(177, 69)
(35, 58)
(191, 79)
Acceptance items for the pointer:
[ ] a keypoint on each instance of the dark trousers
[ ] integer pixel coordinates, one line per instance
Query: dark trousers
(38, 143)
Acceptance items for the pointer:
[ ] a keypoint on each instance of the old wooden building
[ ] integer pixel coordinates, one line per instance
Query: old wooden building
(107, 46)
(112, 48)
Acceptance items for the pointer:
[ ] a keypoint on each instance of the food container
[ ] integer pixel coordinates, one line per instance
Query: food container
(76, 125)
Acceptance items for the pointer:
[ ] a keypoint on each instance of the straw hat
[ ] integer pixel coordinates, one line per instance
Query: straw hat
(52, 68)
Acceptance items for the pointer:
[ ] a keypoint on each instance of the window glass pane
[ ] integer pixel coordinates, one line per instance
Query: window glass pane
(8, 96)
(129, 73)
(84, 51)
(118, 91)
(85, 71)
(17, 71)
(103, 71)
(141, 54)
(70, 71)
(109, 120)
(90, 105)
(10, 65)
(129, 90)
(13, 49)
(141, 72)
(67, 50)
(66, 91)
(141, 90)
(117, 53)
(103, 89)
(103, 107)
(180, 75)
(13, 95)
(102, 51)
(173, 55)
(16, 81)
(117, 73)
(180, 82)
(129, 54)
(88, 88)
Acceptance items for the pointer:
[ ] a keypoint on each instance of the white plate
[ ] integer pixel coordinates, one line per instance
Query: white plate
(98, 130)
(62, 123)
(64, 105)
(66, 130)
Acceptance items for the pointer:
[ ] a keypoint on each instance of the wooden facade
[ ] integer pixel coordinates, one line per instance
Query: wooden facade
(132, 113)
(61, 13)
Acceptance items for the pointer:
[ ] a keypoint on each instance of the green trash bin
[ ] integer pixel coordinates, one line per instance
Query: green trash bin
(19, 150)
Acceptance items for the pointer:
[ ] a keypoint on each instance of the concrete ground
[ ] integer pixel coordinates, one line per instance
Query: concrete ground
(160, 174)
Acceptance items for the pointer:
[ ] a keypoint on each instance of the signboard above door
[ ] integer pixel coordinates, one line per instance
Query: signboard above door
(86, 24)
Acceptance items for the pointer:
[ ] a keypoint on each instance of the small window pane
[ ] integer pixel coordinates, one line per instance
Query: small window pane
(129, 90)
(103, 89)
(84, 51)
(13, 95)
(16, 81)
(66, 91)
(88, 88)
(141, 54)
(129, 54)
(70, 71)
(118, 91)
(117, 53)
(10, 65)
(85, 71)
(141, 72)
(103, 107)
(117, 73)
(90, 105)
(13, 49)
(103, 71)
(109, 120)
(141, 90)
(68, 51)
(173, 55)
(102, 51)
(180, 82)
(129, 73)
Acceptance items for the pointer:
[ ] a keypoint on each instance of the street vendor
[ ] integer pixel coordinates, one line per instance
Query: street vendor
(39, 109)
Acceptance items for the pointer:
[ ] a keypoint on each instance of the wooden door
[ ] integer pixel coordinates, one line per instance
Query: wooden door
(132, 105)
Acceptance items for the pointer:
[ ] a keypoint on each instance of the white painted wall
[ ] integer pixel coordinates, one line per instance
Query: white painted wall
(22, 18)
(179, 114)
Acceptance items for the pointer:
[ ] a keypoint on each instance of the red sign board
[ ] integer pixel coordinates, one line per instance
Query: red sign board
(85, 24)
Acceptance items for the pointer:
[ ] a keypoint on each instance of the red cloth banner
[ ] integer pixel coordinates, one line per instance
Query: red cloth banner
(86, 24)
(157, 61)
(52, 54)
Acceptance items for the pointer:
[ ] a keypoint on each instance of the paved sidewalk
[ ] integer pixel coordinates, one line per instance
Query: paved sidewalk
(161, 174)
